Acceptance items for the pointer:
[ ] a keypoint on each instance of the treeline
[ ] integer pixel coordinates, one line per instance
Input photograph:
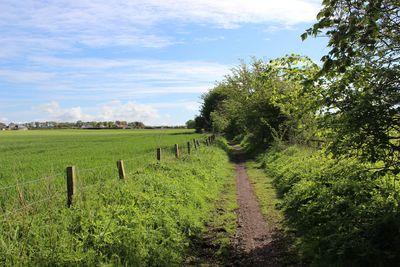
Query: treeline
(88, 125)
(329, 135)
(74, 125)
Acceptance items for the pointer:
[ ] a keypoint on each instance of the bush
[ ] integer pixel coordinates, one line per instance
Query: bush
(343, 213)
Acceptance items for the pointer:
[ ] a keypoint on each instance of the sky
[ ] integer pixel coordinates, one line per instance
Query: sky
(149, 61)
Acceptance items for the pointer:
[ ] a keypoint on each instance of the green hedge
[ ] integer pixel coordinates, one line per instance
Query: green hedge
(343, 213)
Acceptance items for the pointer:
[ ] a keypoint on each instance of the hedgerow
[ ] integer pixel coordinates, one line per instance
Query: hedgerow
(342, 211)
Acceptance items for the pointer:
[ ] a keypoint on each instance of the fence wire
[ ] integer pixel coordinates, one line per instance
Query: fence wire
(167, 154)
(15, 211)
(30, 181)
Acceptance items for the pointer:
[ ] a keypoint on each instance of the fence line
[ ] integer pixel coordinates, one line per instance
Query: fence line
(175, 152)
(30, 181)
(15, 211)
(140, 156)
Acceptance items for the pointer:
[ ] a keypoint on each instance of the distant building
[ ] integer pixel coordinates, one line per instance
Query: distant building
(87, 126)
(121, 126)
(3, 126)
(16, 127)
(20, 127)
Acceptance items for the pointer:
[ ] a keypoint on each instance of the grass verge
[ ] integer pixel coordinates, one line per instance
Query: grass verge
(266, 194)
(214, 246)
(283, 241)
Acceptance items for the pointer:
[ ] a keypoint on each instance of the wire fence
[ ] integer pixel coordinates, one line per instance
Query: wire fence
(13, 212)
(30, 182)
(81, 180)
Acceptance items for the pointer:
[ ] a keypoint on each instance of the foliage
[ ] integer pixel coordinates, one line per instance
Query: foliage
(148, 220)
(361, 77)
(343, 214)
(211, 102)
(190, 124)
(264, 101)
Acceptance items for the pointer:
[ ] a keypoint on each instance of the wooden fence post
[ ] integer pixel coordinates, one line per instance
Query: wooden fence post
(188, 147)
(121, 169)
(176, 151)
(71, 185)
(159, 154)
(194, 143)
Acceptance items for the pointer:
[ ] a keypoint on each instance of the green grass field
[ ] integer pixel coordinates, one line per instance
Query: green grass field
(146, 220)
(28, 155)
(33, 160)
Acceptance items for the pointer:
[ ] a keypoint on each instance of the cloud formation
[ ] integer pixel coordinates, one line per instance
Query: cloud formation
(100, 78)
(84, 53)
(62, 24)
(112, 111)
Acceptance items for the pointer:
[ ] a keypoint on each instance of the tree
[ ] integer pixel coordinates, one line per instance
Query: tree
(199, 123)
(361, 77)
(190, 124)
(263, 101)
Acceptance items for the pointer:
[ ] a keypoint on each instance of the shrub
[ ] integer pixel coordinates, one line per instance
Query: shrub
(343, 213)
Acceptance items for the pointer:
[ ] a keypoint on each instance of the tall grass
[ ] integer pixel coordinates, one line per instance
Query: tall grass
(148, 220)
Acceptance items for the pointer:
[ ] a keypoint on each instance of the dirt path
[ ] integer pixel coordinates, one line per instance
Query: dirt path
(253, 240)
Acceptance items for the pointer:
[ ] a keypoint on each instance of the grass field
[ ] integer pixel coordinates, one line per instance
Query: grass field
(33, 160)
(147, 220)
(28, 155)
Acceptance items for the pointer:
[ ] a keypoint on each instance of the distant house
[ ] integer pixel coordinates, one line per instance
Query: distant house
(2, 126)
(16, 127)
(10, 127)
(20, 127)
(121, 126)
(86, 126)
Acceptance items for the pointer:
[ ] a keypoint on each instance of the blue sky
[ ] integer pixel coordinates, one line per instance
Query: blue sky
(150, 61)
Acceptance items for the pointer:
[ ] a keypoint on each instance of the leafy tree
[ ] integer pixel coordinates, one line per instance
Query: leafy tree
(361, 75)
(199, 122)
(263, 101)
(191, 124)
(211, 101)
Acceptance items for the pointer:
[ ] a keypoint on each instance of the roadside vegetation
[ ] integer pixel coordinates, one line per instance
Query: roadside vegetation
(150, 219)
(327, 136)
(214, 246)
(266, 193)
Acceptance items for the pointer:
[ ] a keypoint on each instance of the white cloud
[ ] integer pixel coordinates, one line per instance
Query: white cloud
(99, 78)
(53, 111)
(128, 111)
(103, 15)
(96, 79)
(115, 110)
(61, 24)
